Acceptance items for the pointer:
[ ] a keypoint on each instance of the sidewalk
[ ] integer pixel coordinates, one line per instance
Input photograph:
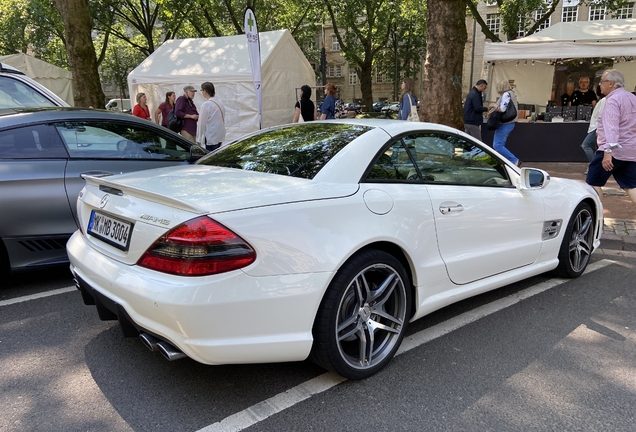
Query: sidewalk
(619, 229)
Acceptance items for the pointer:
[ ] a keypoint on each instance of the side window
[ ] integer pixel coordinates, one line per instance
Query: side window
(394, 164)
(106, 140)
(15, 94)
(31, 142)
(449, 159)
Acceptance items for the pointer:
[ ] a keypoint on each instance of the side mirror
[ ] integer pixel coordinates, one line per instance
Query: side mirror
(196, 153)
(532, 178)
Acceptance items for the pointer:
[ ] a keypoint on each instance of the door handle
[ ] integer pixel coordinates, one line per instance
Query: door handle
(96, 174)
(448, 209)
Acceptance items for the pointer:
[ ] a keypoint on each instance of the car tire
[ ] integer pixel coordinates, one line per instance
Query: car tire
(576, 247)
(363, 315)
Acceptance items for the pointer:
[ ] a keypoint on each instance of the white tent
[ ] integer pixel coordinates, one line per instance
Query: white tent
(580, 39)
(56, 79)
(224, 62)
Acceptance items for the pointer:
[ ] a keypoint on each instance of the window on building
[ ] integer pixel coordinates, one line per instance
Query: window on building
(331, 70)
(625, 12)
(335, 46)
(570, 14)
(388, 78)
(379, 78)
(538, 14)
(493, 22)
(521, 28)
(597, 13)
(491, 2)
(353, 76)
(338, 71)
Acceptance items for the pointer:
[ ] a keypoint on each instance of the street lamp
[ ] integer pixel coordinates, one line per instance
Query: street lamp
(395, 80)
(323, 58)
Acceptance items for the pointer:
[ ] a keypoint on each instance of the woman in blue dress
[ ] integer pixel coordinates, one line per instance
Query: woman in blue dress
(328, 107)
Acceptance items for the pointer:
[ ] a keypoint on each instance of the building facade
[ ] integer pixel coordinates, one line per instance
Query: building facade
(345, 77)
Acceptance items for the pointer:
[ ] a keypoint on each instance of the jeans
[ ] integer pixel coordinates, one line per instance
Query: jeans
(589, 145)
(499, 141)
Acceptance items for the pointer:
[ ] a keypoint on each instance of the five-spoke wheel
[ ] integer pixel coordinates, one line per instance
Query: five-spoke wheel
(577, 244)
(363, 316)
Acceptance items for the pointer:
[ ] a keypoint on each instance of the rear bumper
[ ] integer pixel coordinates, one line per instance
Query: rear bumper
(227, 318)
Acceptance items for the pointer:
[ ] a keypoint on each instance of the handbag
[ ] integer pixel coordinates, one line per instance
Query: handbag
(413, 116)
(175, 123)
(494, 120)
(301, 119)
(510, 114)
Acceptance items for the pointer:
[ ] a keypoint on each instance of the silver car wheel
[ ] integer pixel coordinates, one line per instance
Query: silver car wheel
(363, 315)
(578, 242)
(581, 240)
(371, 316)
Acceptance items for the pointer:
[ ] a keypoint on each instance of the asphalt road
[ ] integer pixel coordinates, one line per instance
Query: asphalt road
(543, 354)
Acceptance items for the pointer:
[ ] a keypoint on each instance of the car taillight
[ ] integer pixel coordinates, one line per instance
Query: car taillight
(198, 247)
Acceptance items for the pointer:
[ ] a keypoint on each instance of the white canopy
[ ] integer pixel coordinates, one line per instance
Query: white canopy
(578, 39)
(224, 62)
(56, 79)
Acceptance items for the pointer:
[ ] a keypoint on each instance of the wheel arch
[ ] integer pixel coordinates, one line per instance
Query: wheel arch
(597, 212)
(398, 253)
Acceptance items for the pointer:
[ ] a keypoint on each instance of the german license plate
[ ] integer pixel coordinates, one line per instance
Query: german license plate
(109, 229)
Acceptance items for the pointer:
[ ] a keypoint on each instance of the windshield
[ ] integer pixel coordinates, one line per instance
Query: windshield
(297, 151)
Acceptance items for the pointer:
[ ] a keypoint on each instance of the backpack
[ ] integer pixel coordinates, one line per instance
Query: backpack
(174, 123)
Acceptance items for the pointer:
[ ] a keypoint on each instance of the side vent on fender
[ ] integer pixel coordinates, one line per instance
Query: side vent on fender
(551, 229)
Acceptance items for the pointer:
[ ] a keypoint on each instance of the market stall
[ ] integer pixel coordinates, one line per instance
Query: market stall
(541, 65)
(224, 61)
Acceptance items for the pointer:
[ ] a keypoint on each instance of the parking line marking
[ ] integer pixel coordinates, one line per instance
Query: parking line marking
(37, 296)
(262, 410)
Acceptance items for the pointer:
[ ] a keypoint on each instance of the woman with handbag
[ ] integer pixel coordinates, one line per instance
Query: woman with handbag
(305, 110)
(506, 108)
(408, 102)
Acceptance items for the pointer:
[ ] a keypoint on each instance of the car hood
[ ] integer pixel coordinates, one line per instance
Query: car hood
(209, 189)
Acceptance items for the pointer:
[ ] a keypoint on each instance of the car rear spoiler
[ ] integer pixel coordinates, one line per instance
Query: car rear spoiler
(10, 70)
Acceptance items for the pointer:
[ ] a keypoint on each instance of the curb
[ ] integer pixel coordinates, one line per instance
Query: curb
(611, 252)
(619, 235)
(611, 191)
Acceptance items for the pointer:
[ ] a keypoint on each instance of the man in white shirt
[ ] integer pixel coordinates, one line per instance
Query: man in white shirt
(211, 125)
(589, 143)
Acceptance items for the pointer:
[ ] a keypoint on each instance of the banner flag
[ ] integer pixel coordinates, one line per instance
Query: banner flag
(254, 50)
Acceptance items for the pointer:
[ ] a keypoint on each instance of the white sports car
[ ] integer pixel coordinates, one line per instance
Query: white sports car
(320, 240)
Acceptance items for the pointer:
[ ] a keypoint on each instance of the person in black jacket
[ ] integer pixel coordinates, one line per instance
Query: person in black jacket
(474, 110)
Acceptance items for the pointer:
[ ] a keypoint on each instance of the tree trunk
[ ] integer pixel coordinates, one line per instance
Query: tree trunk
(446, 37)
(81, 52)
(366, 84)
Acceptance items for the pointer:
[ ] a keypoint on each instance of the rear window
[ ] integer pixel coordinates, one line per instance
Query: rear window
(296, 151)
(16, 94)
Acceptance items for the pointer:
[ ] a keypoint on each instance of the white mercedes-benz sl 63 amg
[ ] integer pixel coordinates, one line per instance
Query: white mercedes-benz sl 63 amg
(320, 240)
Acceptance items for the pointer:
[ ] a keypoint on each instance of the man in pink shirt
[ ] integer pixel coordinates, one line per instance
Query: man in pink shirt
(616, 131)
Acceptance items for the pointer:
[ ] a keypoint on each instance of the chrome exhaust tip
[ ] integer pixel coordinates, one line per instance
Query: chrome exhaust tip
(149, 341)
(169, 351)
